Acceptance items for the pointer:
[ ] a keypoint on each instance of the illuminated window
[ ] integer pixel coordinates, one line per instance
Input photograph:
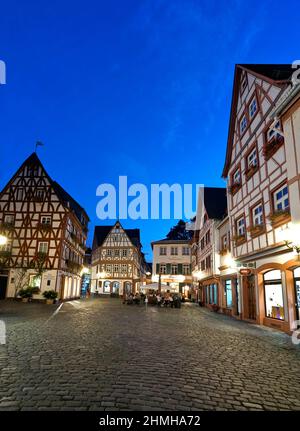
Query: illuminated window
(273, 295)
(257, 215)
(174, 269)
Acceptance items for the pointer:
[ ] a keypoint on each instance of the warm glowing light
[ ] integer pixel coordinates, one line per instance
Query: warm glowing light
(84, 270)
(229, 261)
(3, 240)
(290, 234)
(101, 274)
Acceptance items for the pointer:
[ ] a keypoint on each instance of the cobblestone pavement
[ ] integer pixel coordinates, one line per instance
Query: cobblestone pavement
(99, 354)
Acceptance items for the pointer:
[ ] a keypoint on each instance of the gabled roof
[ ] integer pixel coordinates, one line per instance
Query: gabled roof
(62, 194)
(215, 202)
(101, 232)
(278, 74)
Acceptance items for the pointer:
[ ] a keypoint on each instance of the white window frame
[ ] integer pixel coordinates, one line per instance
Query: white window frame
(243, 124)
(237, 178)
(251, 112)
(174, 251)
(174, 269)
(258, 218)
(41, 248)
(241, 226)
(162, 251)
(252, 158)
(281, 200)
(163, 268)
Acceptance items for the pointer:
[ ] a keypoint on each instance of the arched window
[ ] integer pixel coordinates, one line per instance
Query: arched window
(273, 294)
(115, 287)
(106, 286)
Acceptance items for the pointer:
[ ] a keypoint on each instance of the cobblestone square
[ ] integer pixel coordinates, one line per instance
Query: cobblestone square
(99, 354)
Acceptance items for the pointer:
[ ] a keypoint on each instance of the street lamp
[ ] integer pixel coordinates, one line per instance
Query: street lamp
(3, 240)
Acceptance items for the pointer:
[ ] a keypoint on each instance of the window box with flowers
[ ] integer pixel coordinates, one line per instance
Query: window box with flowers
(272, 145)
(250, 171)
(234, 188)
(256, 230)
(223, 251)
(279, 217)
(239, 239)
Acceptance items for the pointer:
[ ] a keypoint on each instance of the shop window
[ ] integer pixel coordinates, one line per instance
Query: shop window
(273, 295)
(228, 292)
(106, 287)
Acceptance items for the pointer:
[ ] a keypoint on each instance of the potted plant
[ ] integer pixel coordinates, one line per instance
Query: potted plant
(239, 239)
(50, 296)
(279, 216)
(25, 294)
(234, 188)
(256, 229)
(251, 171)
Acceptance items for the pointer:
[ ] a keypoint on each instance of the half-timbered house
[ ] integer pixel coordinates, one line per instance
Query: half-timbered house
(118, 263)
(46, 232)
(263, 191)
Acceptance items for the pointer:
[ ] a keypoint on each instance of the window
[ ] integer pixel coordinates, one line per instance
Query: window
(281, 199)
(117, 253)
(108, 252)
(236, 177)
(43, 247)
(252, 158)
(124, 267)
(39, 195)
(228, 292)
(108, 268)
(252, 108)
(213, 293)
(163, 251)
(106, 287)
(116, 268)
(9, 219)
(202, 265)
(186, 269)
(257, 215)
(207, 237)
(124, 252)
(46, 220)
(243, 124)
(19, 194)
(240, 226)
(224, 242)
(35, 280)
(208, 262)
(162, 269)
(185, 251)
(202, 243)
(273, 295)
(174, 251)
(174, 269)
(271, 133)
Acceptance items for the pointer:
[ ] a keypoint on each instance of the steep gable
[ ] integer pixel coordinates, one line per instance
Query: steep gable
(263, 82)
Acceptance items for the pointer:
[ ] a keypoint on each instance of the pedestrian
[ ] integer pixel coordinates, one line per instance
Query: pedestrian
(146, 300)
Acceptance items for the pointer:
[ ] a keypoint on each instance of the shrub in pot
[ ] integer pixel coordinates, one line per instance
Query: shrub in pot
(50, 296)
(25, 294)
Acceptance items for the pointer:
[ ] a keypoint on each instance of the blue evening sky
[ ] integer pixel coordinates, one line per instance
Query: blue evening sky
(138, 87)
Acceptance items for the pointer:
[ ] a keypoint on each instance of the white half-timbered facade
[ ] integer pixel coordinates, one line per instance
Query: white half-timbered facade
(263, 192)
(118, 263)
(46, 232)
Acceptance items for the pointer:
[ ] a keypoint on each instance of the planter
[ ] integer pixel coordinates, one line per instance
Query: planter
(251, 171)
(279, 217)
(223, 251)
(256, 230)
(239, 239)
(234, 188)
(49, 301)
(272, 146)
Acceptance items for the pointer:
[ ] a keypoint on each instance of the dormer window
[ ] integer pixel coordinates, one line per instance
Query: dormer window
(243, 124)
(252, 108)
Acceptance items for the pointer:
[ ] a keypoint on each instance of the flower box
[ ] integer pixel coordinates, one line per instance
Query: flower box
(279, 217)
(223, 251)
(239, 239)
(256, 230)
(250, 171)
(234, 188)
(272, 146)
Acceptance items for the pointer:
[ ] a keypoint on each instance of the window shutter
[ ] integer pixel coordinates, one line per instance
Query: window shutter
(180, 268)
(168, 268)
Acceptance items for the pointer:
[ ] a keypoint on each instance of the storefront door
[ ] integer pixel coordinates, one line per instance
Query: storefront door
(251, 297)
(297, 292)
